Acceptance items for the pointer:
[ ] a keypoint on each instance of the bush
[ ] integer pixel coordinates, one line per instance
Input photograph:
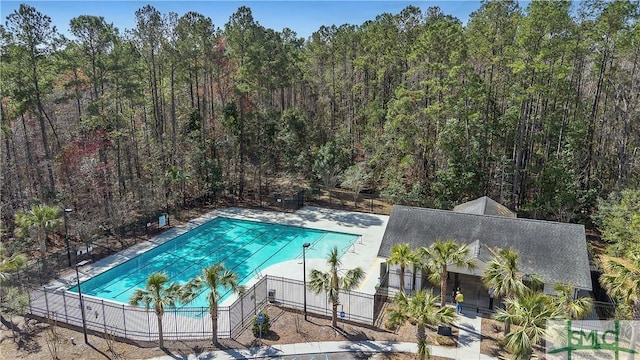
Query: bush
(445, 340)
(266, 325)
(390, 325)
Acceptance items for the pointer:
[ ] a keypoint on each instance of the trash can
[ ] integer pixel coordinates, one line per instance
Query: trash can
(444, 330)
(271, 295)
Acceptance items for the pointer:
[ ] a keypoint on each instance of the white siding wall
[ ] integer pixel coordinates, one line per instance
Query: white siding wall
(394, 277)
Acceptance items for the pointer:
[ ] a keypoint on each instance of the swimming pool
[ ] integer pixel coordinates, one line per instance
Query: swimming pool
(244, 247)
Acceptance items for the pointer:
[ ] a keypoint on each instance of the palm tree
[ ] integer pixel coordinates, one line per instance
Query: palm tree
(177, 180)
(157, 293)
(331, 282)
(621, 278)
(42, 218)
(503, 274)
(402, 255)
(423, 310)
(9, 263)
(568, 305)
(530, 310)
(439, 255)
(214, 277)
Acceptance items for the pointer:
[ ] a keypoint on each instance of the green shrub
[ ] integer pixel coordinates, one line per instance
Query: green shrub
(266, 325)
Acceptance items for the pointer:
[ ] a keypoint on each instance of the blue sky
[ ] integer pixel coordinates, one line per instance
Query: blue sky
(304, 17)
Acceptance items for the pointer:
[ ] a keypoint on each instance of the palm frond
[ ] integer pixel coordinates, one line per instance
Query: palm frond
(530, 311)
(423, 309)
(10, 263)
(319, 281)
(504, 275)
(621, 277)
(352, 278)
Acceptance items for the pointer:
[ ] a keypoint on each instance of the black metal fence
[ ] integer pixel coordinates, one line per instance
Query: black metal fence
(355, 306)
(187, 322)
(39, 271)
(139, 323)
(288, 202)
(604, 310)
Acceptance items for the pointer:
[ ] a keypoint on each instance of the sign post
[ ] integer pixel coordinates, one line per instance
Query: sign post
(260, 321)
(342, 315)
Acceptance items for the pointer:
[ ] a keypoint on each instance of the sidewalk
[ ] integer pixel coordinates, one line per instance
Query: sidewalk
(469, 329)
(469, 336)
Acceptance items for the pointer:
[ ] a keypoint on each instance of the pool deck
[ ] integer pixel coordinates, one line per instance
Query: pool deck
(362, 254)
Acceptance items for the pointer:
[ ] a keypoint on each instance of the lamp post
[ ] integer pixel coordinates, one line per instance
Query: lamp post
(304, 276)
(84, 321)
(66, 233)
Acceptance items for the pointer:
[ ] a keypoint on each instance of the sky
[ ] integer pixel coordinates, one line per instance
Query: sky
(303, 17)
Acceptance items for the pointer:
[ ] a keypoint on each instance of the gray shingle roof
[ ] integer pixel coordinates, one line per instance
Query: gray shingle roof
(484, 206)
(555, 251)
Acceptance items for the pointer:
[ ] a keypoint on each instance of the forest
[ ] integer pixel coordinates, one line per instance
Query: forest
(536, 107)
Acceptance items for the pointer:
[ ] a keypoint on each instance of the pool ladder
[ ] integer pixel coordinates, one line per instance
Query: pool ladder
(352, 246)
(299, 257)
(258, 273)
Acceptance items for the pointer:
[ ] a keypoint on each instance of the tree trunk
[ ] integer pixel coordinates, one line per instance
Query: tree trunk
(43, 250)
(507, 326)
(241, 150)
(334, 314)
(594, 116)
(423, 351)
(160, 336)
(121, 184)
(516, 177)
(174, 145)
(214, 326)
(7, 166)
(443, 287)
(78, 94)
(43, 131)
(31, 181)
(414, 276)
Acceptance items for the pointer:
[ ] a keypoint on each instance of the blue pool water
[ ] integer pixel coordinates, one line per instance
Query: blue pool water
(244, 247)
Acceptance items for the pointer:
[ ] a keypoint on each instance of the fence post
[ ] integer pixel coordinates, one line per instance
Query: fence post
(349, 305)
(124, 321)
(254, 300)
(40, 265)
(64, 302)
(46, 301)
(104, 318)
(326, 304)
(30, 303)
(149, 326)
(175, 316)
